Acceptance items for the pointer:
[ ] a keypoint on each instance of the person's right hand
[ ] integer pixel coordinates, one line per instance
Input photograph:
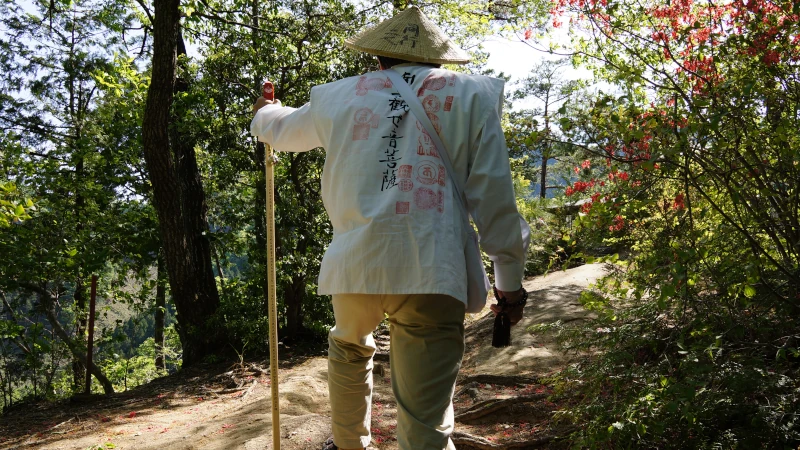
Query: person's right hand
(514, 312)
(262, 102)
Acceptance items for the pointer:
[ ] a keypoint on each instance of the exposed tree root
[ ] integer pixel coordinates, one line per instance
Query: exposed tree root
(483, 408)
(503, 380)
(249, 390)
(462, 440)
(465, 388)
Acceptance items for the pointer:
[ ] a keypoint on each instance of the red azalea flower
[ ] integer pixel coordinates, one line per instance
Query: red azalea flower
(678, 203)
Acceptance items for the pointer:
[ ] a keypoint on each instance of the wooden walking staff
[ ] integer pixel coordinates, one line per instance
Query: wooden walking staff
(272, 306)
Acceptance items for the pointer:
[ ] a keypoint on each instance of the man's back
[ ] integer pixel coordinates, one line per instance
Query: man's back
(391, 203)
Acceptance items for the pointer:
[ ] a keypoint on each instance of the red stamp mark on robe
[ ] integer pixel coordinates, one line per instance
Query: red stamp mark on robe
(440, 206)
(365, 84)
(401, 208)
(452, 81)
(405, 185)
(427, 173)
(425, 145)
(431, 83)
(404, 171)
(425, 198)
(431, 103)
(442, 176)
(448, 103)
(365, 119)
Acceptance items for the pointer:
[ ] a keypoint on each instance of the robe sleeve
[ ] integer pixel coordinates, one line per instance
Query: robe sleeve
(492, 204)
(285, 128)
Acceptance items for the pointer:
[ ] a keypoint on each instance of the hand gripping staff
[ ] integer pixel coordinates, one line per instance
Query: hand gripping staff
(272, 307)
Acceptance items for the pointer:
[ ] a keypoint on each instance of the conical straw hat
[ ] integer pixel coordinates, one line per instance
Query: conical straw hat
(411, 36)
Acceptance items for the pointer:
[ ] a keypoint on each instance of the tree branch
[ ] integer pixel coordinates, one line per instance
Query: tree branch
(146, 10)
(48, 302)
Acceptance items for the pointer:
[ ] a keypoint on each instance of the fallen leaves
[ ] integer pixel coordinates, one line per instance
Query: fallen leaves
(226, 426)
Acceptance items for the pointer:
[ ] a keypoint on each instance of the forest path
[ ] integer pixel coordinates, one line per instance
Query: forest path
(500, 396)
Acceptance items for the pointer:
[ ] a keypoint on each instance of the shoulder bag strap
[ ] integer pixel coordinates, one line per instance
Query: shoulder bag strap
(419, 112)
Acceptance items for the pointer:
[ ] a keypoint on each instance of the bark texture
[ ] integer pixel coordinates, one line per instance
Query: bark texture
(178, 196)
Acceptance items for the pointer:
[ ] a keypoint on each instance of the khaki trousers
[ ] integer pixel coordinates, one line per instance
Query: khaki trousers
(427, 344)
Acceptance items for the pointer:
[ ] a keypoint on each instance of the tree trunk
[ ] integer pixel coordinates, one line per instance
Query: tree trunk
(178, 196)
(260, 197)
(546, 148)
(76, 347)
(543, 179)
(161, 303)
(293, 299)
(78, 363)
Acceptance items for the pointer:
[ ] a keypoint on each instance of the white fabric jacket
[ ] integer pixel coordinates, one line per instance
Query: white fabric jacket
(396, 229)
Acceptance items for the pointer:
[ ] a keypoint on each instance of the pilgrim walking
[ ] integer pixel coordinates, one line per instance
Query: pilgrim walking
(411, 152)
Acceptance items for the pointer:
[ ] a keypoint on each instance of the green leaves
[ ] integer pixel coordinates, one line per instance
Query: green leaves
(708, 137)
(10, 330)
(14, 208)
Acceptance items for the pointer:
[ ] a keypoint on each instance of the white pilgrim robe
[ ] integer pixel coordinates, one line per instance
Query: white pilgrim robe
(396, 229)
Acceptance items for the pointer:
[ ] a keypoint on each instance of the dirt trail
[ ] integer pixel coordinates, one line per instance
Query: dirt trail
(499, 396)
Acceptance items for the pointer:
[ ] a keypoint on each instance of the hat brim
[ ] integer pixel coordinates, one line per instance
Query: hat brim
(410, 36)
(405, 56)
